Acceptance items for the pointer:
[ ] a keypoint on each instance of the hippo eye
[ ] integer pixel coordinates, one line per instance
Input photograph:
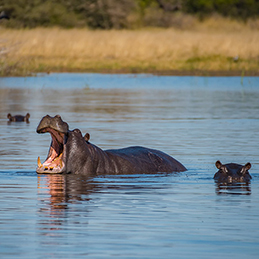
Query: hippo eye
(225, 170)
(243, 170)
(76, 131)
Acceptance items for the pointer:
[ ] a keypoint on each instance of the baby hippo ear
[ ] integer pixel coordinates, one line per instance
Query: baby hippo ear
(218, 164)
(87, 137)
(26, 118)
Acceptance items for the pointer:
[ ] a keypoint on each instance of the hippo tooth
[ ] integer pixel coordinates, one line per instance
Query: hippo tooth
(39, 163)
(57, 157)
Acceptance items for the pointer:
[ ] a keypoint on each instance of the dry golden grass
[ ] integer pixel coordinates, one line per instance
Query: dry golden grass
(209, 46)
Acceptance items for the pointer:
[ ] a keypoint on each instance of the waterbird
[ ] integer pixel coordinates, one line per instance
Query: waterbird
(236, 58)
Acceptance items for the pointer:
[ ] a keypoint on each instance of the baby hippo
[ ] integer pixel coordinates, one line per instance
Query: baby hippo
(232, 172)
(18, 117)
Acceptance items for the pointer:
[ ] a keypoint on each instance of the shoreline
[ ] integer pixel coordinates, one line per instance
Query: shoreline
(175, 72)
(201, 73)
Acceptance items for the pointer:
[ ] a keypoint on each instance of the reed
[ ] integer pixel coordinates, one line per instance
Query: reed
(201, 48)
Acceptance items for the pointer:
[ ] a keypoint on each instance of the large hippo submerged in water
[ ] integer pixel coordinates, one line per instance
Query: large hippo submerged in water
(18, 118)
(70, 152)
(232, 172)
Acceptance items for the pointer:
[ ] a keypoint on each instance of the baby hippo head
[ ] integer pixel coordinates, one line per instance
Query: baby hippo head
(231, 173)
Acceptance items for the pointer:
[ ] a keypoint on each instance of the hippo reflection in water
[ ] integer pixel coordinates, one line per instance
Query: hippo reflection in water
(70, 152)
(232, 172)
(18, 118)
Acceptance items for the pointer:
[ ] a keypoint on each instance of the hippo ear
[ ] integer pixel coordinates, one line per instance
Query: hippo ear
(245, 168)
(87, 137)
(9, 116)
(218, 164)
(248, 166)
(223, 168)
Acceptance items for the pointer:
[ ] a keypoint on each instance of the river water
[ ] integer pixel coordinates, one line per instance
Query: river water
(197, 120)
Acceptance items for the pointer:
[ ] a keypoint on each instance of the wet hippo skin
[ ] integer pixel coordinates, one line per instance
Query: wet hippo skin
(232, 172)
(70, 152)
(18, 117)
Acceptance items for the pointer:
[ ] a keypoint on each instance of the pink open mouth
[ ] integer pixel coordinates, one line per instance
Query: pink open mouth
(54, 162)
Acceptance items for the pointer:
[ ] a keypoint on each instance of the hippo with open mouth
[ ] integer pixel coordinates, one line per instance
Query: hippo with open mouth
(70, 152)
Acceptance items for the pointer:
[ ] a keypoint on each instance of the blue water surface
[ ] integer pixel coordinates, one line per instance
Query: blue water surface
(197, 120)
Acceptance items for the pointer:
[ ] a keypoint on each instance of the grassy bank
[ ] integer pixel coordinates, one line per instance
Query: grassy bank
(207, 48)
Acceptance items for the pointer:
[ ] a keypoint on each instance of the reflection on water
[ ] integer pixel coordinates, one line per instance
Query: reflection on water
(63, 189)
(56, 187)
(196, 120)
(233, 188)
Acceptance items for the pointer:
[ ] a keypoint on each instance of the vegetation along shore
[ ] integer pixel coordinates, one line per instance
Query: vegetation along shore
(162, 37)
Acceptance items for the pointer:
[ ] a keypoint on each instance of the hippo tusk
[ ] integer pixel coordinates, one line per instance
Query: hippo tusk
(39, 163)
